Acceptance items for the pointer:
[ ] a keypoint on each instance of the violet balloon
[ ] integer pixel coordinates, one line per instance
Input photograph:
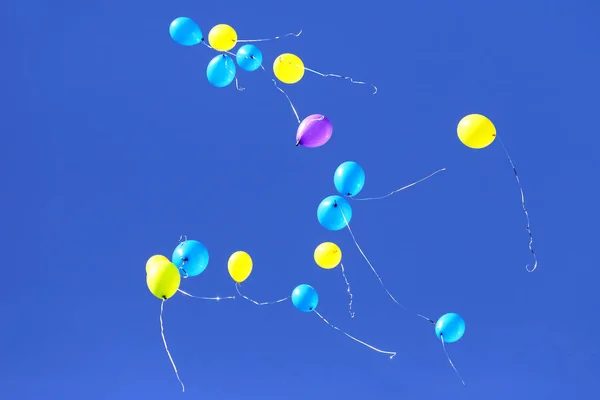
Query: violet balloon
(314, 131)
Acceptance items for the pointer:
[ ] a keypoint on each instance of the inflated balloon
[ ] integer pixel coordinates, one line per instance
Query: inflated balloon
(305, 298)
(191, 257)
(163, 280)
(239, 266)
(185, 31)
(288, 68)
(221, 71)
(249, 57)
(314, 131)
(349, 178)
(451, 326)
(328, 255)
(155, 261)
(222, 37)
(331, 213)
(476, 131)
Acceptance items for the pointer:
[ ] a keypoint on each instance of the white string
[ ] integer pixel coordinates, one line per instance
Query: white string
(349, 292)
(205, 298)
(237, 287)
(273, 38)
(392, 353)
(339, 76)
(285, 94)
(451, 363)
(375, 272)
(183, 238)
(399, 190)
(162, 332)
(528, 227)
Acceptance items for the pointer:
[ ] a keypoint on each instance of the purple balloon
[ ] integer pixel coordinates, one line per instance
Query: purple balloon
(314, 131)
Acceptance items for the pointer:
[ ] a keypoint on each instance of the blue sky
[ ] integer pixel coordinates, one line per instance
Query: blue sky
(115, 144)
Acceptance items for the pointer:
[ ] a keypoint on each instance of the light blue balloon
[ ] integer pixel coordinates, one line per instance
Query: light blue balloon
(191, 257)
(329, 213)
(249, 57)
(185, 31)
(220, 71)
(451, 326)
(305, 298)
(349, 178)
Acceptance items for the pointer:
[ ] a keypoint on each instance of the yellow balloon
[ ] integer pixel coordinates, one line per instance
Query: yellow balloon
(239, 266)
(155, 261)
(328, 255)
(288, 68)
(163, 280)
(222, 37)
(476, 131)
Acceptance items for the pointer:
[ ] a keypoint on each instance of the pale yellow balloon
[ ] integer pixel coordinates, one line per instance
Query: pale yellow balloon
(288, 68)
(239, 266)
(476, 131)
(163, 280)
(328, 255)
(222, 37)
(155, 261)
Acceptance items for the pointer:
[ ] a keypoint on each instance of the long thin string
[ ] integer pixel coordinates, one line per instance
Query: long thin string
(349, 291)
(399, 190)
(162, 332)
(183, 238)
(338, 76)
(273, 38)
(375, 272)
(237, 84)
(204, 298)
(285, 94)
(391, 353)
(528, 227)
(237, 287)
(451, 363)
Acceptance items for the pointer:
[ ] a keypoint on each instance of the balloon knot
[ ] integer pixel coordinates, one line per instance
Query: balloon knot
(297, 143)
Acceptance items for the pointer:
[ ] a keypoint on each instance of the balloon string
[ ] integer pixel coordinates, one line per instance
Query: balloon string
(338, 76)
(401, 189)
(528, 227)
(183, 238)
(162, 332)
(204, 298)
(284, 93)
(451, 363)
(237, 287)
(349, 292)
(391, 353)
(232, 72)
(375, 272)
(273, 38)
(308, 124)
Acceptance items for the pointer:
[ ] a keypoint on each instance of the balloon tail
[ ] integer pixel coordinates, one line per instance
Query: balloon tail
(450, 360)
(341, 77)
(273, 38)
(349, 291)
(375, 272)
(264, 303)
(401, 189)
(528, 227)
(391, 353)
(204, 298)
(162, 332)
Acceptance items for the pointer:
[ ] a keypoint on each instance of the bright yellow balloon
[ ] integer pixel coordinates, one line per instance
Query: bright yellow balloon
(288, 68)
(239, 266)
(476, 131)
(155, 261)
(222, 37)
(163, 280)
(328, 255)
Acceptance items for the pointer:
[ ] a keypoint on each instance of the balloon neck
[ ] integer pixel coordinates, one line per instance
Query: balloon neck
(297, 143)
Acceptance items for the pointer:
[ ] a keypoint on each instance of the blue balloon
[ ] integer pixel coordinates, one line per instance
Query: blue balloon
(191, 257)
(249, 57)
(451, 326)
(329, 213)
(349, 178)
(221, 70)
(305, 298)
(185, 31)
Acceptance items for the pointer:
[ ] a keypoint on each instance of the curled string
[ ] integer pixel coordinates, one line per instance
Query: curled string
(339, 76)
(273, 38)
(204, 298)
(162, 332)
(451, 363)
(375, 272)
(391, 353)
(232, 72)
(528, 227)
(237, 287)
(349, 292)
(401, 189)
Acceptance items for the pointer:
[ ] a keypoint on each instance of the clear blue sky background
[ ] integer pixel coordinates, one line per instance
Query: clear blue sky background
(114, 144)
